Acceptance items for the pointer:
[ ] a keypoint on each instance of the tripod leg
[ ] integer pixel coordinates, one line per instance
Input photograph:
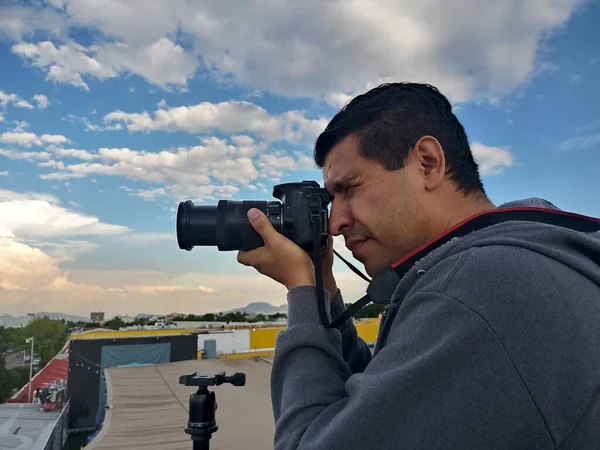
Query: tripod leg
(200, 445)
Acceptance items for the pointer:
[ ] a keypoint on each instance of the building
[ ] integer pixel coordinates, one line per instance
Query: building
(92, 353)
(97, 317)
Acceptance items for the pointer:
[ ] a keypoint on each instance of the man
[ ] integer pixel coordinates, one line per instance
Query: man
(491, 340)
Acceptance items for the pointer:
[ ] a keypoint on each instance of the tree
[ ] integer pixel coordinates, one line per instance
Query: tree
(7, 338)
(115, 323)
(50, 335)
(5, 381)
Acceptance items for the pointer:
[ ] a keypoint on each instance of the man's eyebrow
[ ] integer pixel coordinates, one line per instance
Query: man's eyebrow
(339, 184)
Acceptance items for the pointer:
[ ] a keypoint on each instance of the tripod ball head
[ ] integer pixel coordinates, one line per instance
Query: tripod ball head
(202, 422)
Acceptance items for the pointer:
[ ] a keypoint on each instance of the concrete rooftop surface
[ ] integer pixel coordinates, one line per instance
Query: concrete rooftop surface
(25, 426)
(148, 408)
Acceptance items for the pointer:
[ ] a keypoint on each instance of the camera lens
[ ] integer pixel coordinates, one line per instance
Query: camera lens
(225, 225)
(196, 225)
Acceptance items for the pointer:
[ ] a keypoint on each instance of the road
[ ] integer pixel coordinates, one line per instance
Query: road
(14, 360)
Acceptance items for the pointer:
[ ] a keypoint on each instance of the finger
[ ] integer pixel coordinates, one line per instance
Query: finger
(330, 242)
(261, 224)
(251, 258)
(243, 258)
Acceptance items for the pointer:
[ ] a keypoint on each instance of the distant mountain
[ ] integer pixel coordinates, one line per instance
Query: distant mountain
(21, 321)
(146, 316)
(260, 308)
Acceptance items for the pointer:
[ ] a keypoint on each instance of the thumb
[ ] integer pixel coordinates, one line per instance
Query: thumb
(260, 223)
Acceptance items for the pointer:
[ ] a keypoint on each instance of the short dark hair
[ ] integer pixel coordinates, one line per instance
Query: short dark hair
(389, 120)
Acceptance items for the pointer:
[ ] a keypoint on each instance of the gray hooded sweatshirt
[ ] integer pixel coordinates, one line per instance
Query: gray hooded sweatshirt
(491, 341)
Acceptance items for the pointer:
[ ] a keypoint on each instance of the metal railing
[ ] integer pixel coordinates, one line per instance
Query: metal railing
(58, 437)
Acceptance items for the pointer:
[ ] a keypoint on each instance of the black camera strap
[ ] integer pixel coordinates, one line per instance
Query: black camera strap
(383, 284)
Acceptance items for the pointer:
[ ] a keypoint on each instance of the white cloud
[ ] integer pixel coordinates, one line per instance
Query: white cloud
(19, 22)
(31, 277)
(28, 156)
(20, 125)
(468, 48)
(582, 142)
(25, 218)
(274, 165)
(64, 63)
(163, 62)
(54, 139)
(41, 100)
(72, 153)
(23, 138)
(13, 99)
(152, 193)
(66, 250)
(492, 160)
(4, 173)
(32, 215)
(230, 116)
(216, 168)
(27, 139)
(338, 99)
(23, 267)
(1, 118)
(185, 170)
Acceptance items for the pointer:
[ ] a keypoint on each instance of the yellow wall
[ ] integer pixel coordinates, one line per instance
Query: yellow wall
(260, 338)
(367, 329)
(263, 337)
(132, 333)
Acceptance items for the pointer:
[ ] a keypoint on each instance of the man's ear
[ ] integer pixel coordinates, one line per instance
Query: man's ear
(430, 161)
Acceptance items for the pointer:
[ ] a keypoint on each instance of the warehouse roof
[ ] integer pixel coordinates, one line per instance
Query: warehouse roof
(25, 426)
(148, 408)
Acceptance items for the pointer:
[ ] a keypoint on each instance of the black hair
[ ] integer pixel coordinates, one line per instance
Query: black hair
(389, 120)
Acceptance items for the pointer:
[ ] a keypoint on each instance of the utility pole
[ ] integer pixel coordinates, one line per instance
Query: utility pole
(28, 340)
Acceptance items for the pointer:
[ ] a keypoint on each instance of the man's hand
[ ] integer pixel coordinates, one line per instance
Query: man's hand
(280, 258)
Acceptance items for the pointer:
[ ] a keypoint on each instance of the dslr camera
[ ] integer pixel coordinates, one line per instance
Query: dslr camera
(300, 215)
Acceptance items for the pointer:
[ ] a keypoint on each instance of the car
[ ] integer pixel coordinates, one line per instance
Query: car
(36, 362)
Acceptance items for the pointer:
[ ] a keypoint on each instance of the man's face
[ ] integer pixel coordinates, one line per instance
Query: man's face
(377, 211)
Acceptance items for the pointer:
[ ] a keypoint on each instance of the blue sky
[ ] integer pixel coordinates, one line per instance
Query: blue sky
(112, 112)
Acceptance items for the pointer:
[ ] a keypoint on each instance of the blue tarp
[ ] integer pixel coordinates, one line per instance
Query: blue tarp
(128, 355)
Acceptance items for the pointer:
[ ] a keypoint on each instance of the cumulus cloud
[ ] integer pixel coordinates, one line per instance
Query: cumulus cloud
(230, 116)
(31, 221)
(36, 237)
(13, 99)
(468, 48)
(65, 63)
(20, 22)
(40, 215)
(163, 62)
(27, 139)
(492, 160)
(41, 100)
(217, 167)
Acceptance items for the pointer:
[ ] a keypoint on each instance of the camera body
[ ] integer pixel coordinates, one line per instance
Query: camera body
(227, 226)
(300, 203)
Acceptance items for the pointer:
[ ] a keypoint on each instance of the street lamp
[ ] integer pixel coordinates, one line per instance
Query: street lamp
(28, 340)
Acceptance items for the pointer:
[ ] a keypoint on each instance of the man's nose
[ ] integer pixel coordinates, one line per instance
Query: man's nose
(339, 218)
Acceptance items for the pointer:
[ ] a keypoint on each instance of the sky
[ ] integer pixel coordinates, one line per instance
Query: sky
(113, 111)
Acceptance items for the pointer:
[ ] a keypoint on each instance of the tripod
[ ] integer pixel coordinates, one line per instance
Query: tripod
(203, 404)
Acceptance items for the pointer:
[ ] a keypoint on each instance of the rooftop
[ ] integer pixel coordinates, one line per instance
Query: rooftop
(25, 426)
(148, 408)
